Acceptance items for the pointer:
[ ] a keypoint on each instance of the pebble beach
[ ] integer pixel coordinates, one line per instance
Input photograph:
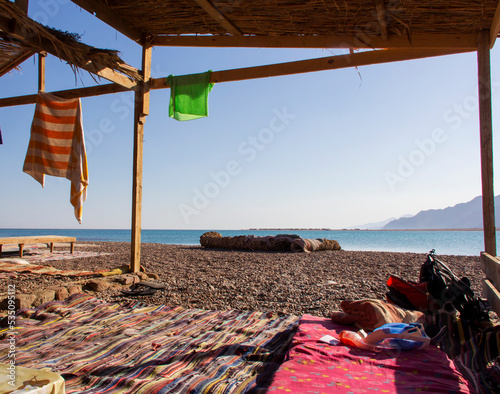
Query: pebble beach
(281, 282)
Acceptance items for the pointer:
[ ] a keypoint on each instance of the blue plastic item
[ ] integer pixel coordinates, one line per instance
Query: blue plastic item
(399, 336)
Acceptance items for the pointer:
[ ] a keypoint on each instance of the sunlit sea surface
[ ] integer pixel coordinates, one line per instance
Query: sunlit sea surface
(469, 243)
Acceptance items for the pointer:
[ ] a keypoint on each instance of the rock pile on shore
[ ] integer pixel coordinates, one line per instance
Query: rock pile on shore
(283, 282)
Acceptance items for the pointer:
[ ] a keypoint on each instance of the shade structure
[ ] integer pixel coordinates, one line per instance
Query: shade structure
(399, 30)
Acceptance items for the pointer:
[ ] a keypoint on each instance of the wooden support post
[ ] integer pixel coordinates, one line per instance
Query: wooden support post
(141, 111)
(41, 70)
(486, 133)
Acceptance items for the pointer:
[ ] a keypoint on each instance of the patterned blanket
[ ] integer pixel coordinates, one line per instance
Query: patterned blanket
(316, 367)
(101, 347)
(474, 350)
(16, 267)
(36, 261)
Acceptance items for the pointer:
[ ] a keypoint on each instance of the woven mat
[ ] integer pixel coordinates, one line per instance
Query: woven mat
(41, 255)
(101, 347)
(32, 262)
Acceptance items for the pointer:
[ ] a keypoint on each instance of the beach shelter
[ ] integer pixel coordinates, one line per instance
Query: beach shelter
(382, 30)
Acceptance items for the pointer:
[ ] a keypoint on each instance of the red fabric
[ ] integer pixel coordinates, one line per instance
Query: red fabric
(316, 367)
(415, 292)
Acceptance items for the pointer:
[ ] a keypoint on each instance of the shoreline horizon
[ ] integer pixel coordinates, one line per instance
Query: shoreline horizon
(248, 229)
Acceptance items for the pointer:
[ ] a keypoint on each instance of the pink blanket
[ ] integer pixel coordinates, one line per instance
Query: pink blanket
(316, 367)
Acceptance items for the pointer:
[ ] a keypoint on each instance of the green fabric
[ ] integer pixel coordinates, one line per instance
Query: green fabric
(189, 95)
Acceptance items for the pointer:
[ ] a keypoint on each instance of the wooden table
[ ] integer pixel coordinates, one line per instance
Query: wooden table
(47, 239)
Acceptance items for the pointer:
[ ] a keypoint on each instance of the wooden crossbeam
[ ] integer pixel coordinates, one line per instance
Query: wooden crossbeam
(272, 70)
(67, 94)
(321, 64)
(44, 44)
(220, 18)
(101, 10)
(495, 26)
(382, 19)
(463, 41)
(110, 75)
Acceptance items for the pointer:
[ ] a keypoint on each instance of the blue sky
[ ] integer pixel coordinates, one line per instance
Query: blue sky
(331, 149)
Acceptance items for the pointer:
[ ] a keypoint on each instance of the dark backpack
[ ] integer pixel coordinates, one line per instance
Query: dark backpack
(448, 292)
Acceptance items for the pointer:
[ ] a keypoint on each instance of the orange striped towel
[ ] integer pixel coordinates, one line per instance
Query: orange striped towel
(57, 146)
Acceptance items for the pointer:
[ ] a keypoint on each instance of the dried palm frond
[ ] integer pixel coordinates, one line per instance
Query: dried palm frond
(31, 35)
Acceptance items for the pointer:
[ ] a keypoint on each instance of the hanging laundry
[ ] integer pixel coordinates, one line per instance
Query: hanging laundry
(57, 146)
(189, 95)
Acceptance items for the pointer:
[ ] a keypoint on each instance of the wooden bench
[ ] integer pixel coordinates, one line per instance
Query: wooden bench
(47, 239)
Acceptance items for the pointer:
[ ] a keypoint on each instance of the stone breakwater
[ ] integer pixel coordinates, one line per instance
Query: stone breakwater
(282, 282)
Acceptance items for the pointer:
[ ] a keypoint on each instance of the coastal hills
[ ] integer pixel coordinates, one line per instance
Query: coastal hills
(463, 216)
(466, 215)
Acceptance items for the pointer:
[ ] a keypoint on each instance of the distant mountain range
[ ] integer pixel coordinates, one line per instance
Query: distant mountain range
(466, 215)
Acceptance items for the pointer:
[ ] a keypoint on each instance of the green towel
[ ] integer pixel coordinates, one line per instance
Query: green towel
(189, 95)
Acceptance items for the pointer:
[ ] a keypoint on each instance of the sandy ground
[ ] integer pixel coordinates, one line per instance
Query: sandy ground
(287, 283)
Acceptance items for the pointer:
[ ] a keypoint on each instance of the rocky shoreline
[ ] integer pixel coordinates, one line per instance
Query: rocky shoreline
(282, 282)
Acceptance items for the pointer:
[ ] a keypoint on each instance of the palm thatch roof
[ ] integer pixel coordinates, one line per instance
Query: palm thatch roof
(11, 55)
(20, 37)
(262, 23)
(296, 17)
(372, 22)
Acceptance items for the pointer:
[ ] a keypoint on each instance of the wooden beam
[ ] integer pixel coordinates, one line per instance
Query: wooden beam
(110, 75)
(495, 26)
(44, 44)
(445, 41)
(382, 19)
(41, 70)
(141, 110)
(492, 295)
(68, 94)
(23, 4)
(490, 265)
(221, 19)
(486, 138)
(321, 64)
(102, 11)
(15, 62)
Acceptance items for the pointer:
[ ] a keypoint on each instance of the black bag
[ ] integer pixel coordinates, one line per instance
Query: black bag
(449, 292)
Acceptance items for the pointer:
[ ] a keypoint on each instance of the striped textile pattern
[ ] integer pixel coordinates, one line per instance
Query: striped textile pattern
(57, 146)
(103, 347)
(40, 269)
(474, 350)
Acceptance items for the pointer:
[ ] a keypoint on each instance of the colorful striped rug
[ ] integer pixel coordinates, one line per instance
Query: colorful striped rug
(101, 347)
(474, 350)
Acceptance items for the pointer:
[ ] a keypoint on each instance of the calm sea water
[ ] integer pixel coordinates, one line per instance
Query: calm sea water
(469, 243)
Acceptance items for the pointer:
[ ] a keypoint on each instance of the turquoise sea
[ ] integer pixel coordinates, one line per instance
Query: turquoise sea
(469, 243)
